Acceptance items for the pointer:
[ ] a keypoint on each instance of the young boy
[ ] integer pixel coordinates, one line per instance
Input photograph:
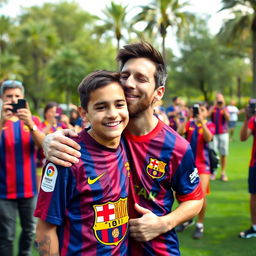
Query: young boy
(83, 209)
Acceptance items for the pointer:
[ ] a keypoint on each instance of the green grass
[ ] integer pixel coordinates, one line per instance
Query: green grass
(227, 212)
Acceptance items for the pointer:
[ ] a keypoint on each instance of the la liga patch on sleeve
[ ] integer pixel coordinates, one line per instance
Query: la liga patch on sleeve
(49, 179)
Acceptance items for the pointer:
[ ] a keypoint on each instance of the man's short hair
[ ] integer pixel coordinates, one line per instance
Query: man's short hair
(94, 81)
(144, 50)
(11, 84)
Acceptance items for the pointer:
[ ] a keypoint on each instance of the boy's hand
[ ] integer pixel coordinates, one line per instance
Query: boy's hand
(60, 149)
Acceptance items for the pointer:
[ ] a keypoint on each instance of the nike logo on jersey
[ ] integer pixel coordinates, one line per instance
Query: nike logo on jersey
(92, 181)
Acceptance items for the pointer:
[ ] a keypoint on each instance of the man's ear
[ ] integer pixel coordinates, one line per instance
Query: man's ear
(83, 113)
(159, 93)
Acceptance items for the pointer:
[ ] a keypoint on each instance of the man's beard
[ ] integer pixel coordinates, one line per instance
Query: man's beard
(138, 109)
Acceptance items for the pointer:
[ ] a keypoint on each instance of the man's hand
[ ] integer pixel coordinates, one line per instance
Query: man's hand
(60, 149)
(6, 112)
(146, 227)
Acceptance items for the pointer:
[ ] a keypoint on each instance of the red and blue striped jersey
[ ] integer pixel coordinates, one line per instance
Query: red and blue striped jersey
(194, 135)
(54, 128)
(218, 118)
(88, 201)
(163, 162)
(252, 127)
(17, 160)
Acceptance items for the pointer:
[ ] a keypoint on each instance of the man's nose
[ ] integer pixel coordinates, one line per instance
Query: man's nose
(130, 82)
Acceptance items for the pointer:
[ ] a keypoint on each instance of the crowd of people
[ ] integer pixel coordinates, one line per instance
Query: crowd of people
(125, 160)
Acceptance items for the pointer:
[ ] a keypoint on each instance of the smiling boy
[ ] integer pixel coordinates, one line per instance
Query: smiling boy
(84, 208)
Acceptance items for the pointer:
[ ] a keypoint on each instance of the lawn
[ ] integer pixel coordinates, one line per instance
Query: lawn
(227, 213)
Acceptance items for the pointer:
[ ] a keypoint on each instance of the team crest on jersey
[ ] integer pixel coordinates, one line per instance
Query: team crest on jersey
(111, 222)
(25, 128)
(156, 168)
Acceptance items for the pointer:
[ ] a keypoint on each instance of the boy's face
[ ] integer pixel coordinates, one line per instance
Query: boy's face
(137, 77)
(107, 112)
(12, 95)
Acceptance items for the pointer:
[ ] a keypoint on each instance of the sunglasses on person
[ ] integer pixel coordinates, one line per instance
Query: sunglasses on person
(8, 82)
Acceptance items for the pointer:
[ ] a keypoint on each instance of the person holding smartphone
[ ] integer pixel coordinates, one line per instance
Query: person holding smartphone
(219, 115)
(248, 129)
(20, 136)
(199, 132)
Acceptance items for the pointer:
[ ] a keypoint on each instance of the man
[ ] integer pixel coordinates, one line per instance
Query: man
(219, 116)
(93, 192)
(249, 128)
(20, 137)
(161, 160)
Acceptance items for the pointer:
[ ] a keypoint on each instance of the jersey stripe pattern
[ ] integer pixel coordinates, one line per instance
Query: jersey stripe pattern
(164, 163)
(252, 127)
(88, 201)
(194, 135)
(218, 118)
(17, 160)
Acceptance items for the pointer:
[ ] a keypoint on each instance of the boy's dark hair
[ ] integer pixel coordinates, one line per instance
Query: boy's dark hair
(144, 50)
(93, 81)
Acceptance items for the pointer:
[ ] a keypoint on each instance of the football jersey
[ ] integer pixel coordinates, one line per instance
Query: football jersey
(252, 127)
(163, 163)
(54, 128)
(88, 201)
(200, 148)
(218, 118)
(17, 160)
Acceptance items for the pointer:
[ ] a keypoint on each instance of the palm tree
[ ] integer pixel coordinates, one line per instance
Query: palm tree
(161, 14)
(67, 70)
(114, 20)
(242, 25)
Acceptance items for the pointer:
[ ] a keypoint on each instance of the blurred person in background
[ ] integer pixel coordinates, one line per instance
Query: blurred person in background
(249, 128)
(219, 115)
(199, 132)
(52, 118)
(160, 113)
(20, 136)
(233, 113)
(76, 120)
(173, 113)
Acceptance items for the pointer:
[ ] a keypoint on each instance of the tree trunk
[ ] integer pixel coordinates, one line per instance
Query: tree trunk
(163, 47)
(239, 91)
(203, 90)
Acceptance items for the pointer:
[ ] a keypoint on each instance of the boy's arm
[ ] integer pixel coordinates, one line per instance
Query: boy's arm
(47, 242)
(61, 150)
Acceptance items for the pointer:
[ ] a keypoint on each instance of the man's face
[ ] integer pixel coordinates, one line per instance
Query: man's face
(12, 95)
(137, 78)
(107, 112)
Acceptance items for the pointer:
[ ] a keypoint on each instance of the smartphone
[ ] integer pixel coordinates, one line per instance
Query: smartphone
(195, 110)
(22, 103)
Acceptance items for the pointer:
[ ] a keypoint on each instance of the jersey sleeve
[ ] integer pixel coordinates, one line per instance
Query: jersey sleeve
(37, 122)
(211, 127)
(251, 123)
(186, 181)
(56, 190)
